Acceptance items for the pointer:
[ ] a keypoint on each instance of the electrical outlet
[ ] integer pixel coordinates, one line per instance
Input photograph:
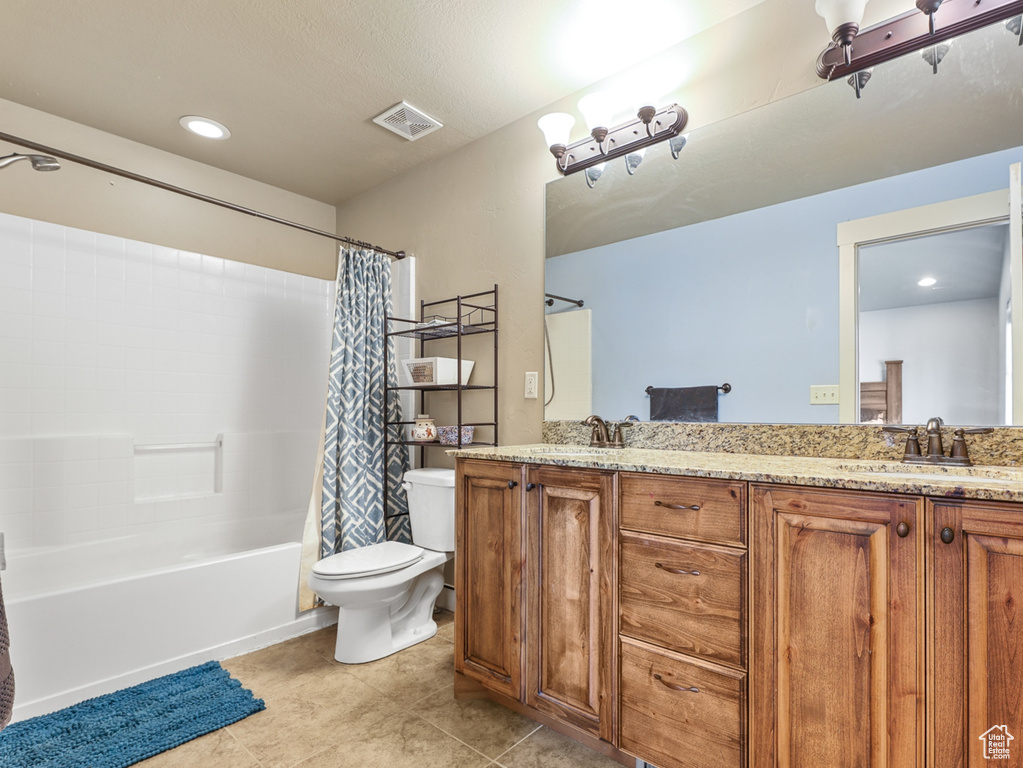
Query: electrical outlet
(824, 394)
(532, 385)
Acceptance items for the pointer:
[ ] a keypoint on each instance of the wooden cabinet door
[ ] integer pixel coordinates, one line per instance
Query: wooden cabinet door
(976, 634)
(569, 660)
(489, 570)
(838, 637)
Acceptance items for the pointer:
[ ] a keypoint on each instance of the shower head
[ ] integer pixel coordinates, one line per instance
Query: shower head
(39, 162)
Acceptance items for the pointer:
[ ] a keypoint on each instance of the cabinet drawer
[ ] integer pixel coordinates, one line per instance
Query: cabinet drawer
(678, 713)
(688, 508)
(686, 597)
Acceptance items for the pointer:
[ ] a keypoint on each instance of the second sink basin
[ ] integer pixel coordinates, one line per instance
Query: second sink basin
(931, 473)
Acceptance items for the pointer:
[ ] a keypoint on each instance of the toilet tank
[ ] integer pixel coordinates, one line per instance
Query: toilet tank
(431, 507)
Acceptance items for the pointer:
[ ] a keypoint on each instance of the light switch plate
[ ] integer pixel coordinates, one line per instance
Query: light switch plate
(824, 394)
(532, 385)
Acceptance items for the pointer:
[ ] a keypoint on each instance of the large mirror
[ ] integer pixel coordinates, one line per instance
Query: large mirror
(723, 267)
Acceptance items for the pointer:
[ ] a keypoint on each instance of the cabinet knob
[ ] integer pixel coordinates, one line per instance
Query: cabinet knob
(512, 483)
(947, 535)
(902, 529)
(530, 486)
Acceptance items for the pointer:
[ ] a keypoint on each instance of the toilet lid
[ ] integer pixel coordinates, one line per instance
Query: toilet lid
(368, 561)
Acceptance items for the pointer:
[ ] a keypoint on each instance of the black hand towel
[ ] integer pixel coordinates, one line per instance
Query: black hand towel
(684, 403)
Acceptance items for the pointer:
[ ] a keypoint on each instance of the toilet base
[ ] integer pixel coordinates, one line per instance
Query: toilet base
(369, 632)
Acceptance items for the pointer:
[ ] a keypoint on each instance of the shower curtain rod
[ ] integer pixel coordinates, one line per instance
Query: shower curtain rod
(189, 193)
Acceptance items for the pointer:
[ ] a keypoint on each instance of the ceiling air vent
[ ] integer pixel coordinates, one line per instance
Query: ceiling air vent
(405, 120)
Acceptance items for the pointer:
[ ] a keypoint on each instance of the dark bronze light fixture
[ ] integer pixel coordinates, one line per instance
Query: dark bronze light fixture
(926, 29)
(629, 139)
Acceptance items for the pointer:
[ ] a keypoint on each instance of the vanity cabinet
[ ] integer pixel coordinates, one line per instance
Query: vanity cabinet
(534, 578)
(975, 553)
(490, 575)
(708, 623)
(570, 597)
(838, 640)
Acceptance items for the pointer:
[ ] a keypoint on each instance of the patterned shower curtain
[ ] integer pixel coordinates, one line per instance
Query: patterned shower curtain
(350, 511)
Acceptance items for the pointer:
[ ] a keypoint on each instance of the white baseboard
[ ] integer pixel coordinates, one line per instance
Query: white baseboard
(446, 599)
(310, 621)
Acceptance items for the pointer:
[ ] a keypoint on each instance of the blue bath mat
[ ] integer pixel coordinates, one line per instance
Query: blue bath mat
(127, 726)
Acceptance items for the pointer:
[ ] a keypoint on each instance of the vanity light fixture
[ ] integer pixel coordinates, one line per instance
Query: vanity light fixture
(205, 127)
(929, 28)
(630, 139)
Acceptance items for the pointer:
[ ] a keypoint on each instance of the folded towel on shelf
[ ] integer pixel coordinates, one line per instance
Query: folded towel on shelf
(6, 673)
(684, 403)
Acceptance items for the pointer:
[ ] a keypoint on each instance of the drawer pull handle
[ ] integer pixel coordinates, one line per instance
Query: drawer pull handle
(947, 535)
(530, 486)
(674, 687)
(679, 571)
(694, 507)
(902, 529)
(512, 483)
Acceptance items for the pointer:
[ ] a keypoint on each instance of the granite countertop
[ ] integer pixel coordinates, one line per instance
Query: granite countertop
(977, 482)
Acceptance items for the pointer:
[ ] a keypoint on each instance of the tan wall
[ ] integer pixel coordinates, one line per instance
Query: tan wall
(473, 219)
(78, 196)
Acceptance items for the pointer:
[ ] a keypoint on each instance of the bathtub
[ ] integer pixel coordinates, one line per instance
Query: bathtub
(70, 644)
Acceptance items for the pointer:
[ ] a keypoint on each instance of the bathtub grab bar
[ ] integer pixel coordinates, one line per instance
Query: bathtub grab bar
(157, 447)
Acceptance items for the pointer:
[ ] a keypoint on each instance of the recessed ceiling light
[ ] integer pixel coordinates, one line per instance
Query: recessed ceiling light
(926, 282)
(205, 127)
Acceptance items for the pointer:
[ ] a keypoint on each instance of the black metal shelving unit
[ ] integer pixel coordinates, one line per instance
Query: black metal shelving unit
(454, 318)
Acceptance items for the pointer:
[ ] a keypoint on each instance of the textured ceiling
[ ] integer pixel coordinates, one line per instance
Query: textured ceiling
(299, 81)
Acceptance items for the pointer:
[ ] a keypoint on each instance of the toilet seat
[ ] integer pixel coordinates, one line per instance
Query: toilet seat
(375, 559)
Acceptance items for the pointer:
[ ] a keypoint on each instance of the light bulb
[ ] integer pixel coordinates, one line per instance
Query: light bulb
(205, 127)
(926, 282)
(556, 127)
(597, 110)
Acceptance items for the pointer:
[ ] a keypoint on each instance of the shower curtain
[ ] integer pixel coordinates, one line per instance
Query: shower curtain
(346, 508)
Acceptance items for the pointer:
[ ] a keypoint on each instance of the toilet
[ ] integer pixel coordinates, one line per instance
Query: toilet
(385, 592)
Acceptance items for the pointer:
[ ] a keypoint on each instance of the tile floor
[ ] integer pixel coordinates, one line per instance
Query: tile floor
(395, 712)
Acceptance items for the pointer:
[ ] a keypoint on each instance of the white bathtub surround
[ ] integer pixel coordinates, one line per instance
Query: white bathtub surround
(157, 407)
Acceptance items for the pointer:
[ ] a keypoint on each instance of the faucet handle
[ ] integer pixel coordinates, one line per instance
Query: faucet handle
(617, 439)
(912, 439)
(959, 454)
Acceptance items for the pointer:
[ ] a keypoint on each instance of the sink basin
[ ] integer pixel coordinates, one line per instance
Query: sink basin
(568, 451)
(930, 477)
(926, 473)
